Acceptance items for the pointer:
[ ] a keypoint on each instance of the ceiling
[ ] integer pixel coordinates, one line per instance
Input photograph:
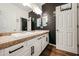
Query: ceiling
(26, 8)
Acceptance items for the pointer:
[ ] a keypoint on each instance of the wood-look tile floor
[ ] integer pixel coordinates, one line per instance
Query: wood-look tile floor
(52, 51)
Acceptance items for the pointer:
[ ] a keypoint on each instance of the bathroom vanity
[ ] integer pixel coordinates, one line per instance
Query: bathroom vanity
(24, 43)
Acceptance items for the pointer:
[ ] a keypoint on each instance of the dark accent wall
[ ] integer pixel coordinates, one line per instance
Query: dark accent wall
(49, 9)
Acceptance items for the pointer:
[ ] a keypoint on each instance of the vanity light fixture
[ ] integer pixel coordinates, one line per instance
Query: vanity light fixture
(37, 10)
(34, 7)
(27, 4)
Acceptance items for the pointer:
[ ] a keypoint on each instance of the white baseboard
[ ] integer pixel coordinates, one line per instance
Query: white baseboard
(52, 44)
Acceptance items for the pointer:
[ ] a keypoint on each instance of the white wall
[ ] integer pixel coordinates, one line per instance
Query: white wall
(29, 24)
(78, 27)
(8, 17)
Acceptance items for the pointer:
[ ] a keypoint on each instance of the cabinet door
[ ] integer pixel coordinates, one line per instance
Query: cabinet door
(32, 49)
(38, 47)
(1, 52)
(27, 50)
(35, 46)
(44, 43)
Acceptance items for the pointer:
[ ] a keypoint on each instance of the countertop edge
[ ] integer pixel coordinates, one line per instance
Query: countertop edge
(15, 42)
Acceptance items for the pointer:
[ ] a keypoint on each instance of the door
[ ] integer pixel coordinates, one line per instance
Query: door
(66, 27)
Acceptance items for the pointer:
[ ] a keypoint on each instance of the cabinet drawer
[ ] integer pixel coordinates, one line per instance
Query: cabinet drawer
(27, 52)
(32, 41)
(15, 50)
(43, 43)
(37, 50)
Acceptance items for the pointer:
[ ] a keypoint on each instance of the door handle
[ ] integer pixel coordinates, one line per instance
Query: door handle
(32, 50)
